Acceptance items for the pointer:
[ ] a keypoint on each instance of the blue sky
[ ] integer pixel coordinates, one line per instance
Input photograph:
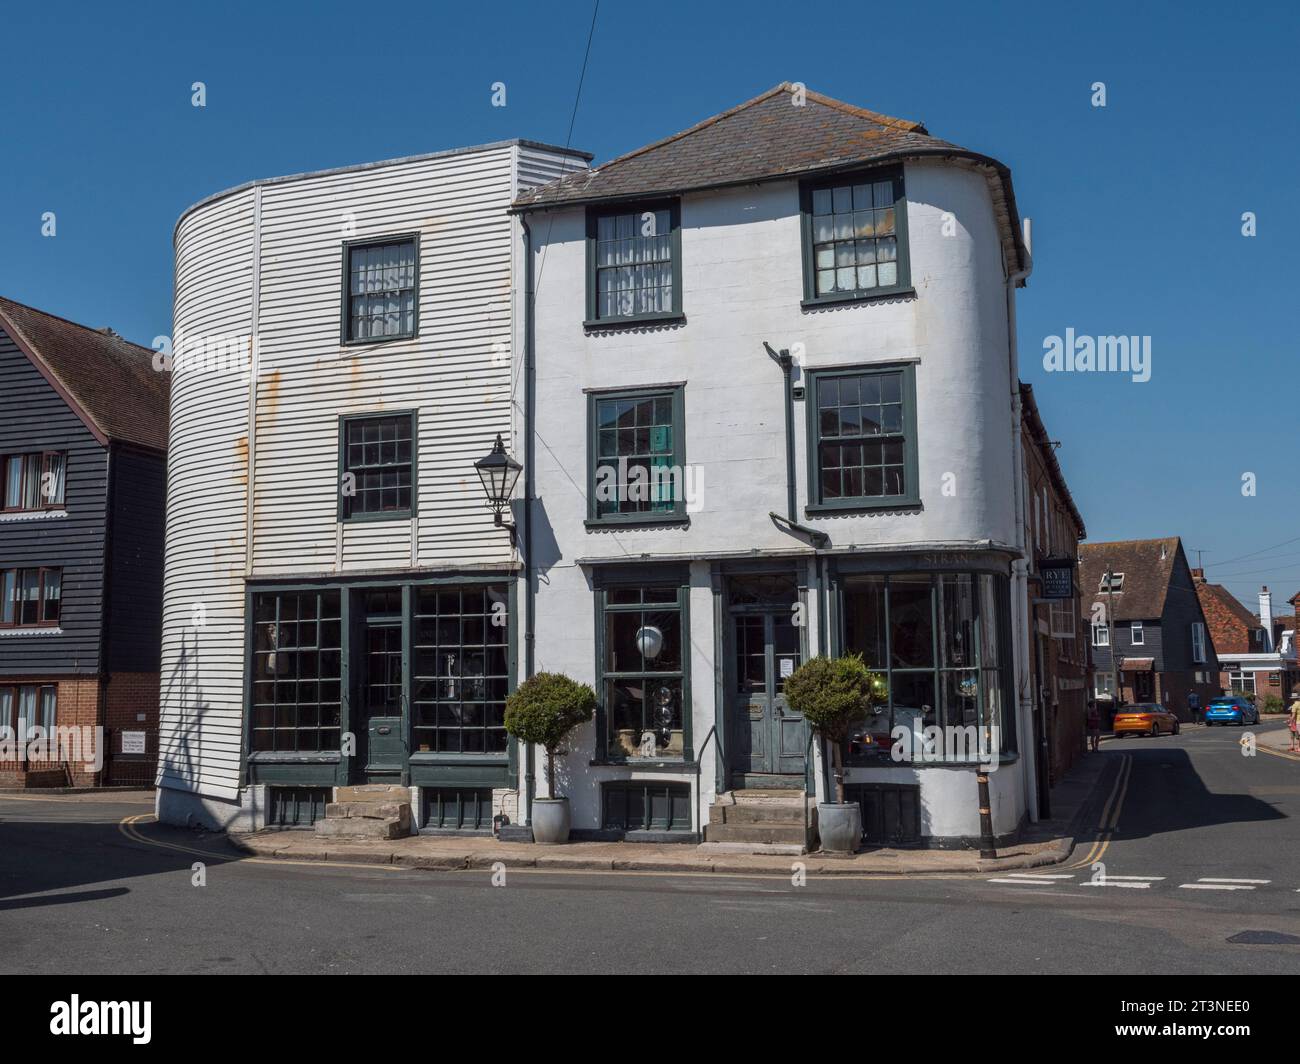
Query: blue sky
(1136, 207)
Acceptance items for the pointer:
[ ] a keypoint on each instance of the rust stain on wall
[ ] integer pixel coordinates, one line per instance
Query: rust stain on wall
(241, 460)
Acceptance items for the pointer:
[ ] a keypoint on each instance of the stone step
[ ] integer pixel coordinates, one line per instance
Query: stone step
(363, 828)
(374, 792)
(754, 813)
(791, 834)
(373, 810)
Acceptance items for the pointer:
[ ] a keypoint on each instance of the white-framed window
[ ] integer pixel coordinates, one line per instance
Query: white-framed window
(1198, 642)
(1100, 635)
(1062, 619)
(1104, 685)
(1136, 636)
(1242, 681)
(1115, 582)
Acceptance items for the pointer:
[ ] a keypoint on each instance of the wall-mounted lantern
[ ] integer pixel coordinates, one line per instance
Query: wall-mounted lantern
(498, 472)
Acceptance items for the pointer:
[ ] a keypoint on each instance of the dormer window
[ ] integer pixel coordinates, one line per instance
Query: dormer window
(1112, 582)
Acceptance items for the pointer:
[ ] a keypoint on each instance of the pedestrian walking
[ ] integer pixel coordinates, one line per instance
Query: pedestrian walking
(1094, 726)
(1194, 707)
(1294, 723)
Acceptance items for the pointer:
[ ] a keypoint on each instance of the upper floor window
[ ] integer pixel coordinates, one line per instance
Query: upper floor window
(634, 264)
(381, 298)
(1136, 635)
(862, 446)
(33, 481)
(1198, 642)
(1100, 635)
(637, 467)
(1112, 582)
(855, 236)
(378, 466)
(30, 597)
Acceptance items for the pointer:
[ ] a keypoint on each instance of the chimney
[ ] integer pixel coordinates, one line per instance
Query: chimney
(1266, 616)
(1198, 576)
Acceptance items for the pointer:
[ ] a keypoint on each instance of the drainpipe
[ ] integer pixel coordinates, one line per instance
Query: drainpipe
(786, 363)
(530, 603)
(1019, 567)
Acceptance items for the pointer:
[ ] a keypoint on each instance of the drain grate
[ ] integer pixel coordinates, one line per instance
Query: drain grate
(1265, 938)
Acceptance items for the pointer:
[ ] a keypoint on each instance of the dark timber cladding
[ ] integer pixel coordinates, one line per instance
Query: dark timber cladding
(93, 403)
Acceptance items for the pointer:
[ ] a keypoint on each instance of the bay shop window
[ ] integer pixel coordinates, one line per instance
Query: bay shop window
(942, 642)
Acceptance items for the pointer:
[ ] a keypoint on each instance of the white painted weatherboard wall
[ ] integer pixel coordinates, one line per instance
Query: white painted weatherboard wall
(458, 374)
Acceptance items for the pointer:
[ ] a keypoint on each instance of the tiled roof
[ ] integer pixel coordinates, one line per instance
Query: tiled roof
(1146, 575)
(765, 139)
(110, 382)
(1230, 622)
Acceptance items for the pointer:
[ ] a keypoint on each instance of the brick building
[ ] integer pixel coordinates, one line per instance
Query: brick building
(1257, 651)
(1058, 656)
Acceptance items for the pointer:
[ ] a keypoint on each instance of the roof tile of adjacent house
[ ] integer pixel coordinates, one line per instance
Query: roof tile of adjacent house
(110, 382)
(765, 139)
(1230, 622)
(1147, 565)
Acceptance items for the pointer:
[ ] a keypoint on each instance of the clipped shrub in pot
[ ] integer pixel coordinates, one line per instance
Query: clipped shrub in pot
(543, 710)
(834, 694)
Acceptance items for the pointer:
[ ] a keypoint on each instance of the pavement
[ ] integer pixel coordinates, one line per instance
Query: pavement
(1187, 861)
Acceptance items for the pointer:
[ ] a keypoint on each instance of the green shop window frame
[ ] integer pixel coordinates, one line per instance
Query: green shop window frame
(677, 515)
(380, 515)
(631, 578)
(594, 214)
(911, 496)
(332, 768)
(902, 285)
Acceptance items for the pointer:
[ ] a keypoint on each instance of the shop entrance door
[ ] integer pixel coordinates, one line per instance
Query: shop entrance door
(381, 728)
(769, 741)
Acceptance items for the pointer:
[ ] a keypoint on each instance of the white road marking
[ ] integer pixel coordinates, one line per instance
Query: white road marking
(1137, 879)
(1254, 882)
(1213, 886)
(1111, 882)
(1027, 881)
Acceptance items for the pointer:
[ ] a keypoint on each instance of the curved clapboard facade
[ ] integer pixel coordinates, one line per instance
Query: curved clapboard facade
(344, 349)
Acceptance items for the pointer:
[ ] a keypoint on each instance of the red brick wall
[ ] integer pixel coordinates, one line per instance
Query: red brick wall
(77, 705)
(129, 696)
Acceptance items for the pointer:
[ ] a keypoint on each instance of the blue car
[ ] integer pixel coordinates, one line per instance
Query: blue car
(1231, 710)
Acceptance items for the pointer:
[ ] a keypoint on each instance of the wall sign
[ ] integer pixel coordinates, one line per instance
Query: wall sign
(1057, 576)
(133, 742)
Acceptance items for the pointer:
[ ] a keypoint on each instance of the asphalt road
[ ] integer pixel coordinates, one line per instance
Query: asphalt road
(78, 893)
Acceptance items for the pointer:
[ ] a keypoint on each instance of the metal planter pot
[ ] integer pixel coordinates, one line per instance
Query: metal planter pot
(551, 820)
(840, 826)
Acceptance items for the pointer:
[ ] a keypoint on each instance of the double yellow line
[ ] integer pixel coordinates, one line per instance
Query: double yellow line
(1110, 813)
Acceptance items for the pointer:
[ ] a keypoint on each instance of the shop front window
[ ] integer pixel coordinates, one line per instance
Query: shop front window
(297, 666)
(643, 670)
(939, 641)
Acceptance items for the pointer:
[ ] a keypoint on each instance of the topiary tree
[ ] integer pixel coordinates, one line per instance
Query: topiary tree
(544, 709)
(833, 694)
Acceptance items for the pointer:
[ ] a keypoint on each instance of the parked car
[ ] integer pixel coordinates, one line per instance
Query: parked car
(1231, 709)
(1145, 718)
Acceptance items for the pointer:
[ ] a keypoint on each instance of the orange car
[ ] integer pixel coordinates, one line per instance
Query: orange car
(1145, 718)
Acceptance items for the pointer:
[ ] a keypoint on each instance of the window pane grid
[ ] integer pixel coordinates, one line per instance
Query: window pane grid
(381, 290)
(634, 267)
(643, 672)
(461, 670)
(861, 445)
(297, 669)
(855, 238)
(635, 455)
(378, 453)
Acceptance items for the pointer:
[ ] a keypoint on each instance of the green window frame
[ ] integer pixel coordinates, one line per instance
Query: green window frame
(636, 452)
(942, 640)
(461, 669)
(380, 451)
(855, 237)
(296, 672)
(381, 289)
(862, 448)
(634, 269)
(641, 696)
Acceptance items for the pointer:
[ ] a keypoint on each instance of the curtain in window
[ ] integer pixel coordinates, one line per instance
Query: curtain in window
(31, 481)
(53, 595)
(28, 596)
(26, 712)
(47, 708)
(6, 710)
(8, 600)
(53, 489)
(13, 482)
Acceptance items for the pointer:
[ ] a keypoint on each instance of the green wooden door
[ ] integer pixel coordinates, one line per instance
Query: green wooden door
(768, 738)
(382, 702)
